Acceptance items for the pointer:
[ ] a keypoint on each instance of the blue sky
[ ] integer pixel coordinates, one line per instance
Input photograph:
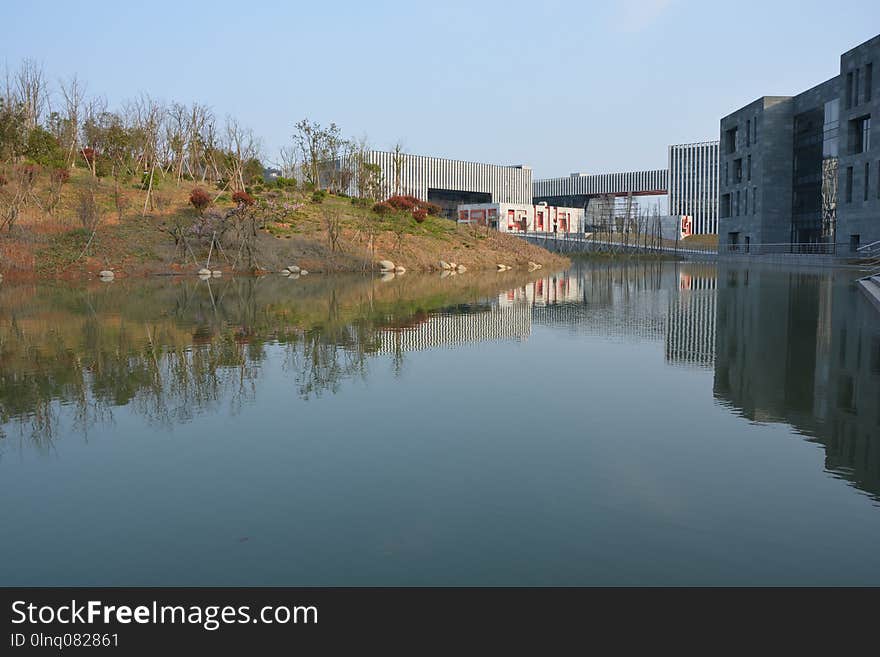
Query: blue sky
(562, 86)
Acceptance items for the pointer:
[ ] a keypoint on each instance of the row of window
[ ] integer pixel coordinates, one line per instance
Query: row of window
(732, 138)
(738, 170)
(732, 203)
(866, 180)
(859, 80)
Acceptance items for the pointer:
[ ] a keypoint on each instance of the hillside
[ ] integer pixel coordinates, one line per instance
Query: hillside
(74, 230)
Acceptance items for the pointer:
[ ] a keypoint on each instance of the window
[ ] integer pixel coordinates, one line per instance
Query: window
(849, 184)
(878, 178)
(754, 200)
(869, 73)
(748, 132)
(738, 170)
(867, 179)
(730, 141)
(725, 206)
(746, 200)
(726, 172)
(755, 128)
(736, 210)
(849, 90)
(749, 168)
(856, 87)
(854, 242)
(860, 135)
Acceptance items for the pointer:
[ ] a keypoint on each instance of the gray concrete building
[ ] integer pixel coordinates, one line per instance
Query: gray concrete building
(801, 173)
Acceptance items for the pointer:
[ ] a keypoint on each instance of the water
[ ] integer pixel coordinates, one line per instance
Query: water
(613, 424)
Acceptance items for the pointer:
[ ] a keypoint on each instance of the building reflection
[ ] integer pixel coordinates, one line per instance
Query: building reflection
(795, 347)
(803, 348)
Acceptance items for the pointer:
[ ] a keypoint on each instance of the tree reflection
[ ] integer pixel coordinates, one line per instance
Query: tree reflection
(173, 349)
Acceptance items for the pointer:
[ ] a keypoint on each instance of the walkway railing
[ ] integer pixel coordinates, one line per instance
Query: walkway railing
(770, 248)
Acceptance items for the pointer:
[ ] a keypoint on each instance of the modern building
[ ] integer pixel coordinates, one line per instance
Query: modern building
(577, 189)
(693, 184)
(522, 218)
(690, 182)
(449, 183)
(802, 173)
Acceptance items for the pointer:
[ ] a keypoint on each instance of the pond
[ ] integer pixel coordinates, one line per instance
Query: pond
(616, 423)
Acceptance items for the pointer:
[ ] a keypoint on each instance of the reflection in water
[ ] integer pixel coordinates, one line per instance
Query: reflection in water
(800, 348)
(803, 348)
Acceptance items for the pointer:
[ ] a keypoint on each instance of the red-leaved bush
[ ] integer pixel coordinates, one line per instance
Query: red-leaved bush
(400, 202)
(89, 154)
(200, 199)
(243, 198)
(60, 175)
(419, 214)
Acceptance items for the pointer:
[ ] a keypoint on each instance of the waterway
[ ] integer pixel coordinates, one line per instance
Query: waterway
(617, 423)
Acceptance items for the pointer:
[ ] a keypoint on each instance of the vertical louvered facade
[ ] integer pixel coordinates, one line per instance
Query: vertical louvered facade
(415, 175)
(693, 184)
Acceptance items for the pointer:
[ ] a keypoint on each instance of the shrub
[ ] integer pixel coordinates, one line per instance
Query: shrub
(360, 202)
(402, 202)
(60, 175)
(89, 154)
(433, 209)
(282, 182)
(200, 199)
(383, 208)
(419, 214)
(318, 196)
(243, 198)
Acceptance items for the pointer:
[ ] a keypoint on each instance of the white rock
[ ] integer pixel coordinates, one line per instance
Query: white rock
(386, 265)
(285, 272)
(204, 272)
(106, 273)
(293, 277)
(293, 269)
(445, 265)
(303, 272)
(446, 273)
(216, 273)
(387, 276)
(461, 269)
(400, 270)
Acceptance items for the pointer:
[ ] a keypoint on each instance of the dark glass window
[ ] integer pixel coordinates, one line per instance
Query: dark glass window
(849, 184)
(869, 83)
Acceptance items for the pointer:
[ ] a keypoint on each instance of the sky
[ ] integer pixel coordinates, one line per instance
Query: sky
(561, 86)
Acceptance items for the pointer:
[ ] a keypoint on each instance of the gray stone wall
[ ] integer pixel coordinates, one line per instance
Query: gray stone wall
(860, 216)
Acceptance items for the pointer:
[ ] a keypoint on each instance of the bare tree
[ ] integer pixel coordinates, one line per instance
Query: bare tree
(398, 160)
(309, 138)
(242, 146)
(73, 92)
(32, 91)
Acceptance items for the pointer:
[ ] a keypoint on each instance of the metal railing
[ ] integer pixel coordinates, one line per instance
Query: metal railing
(780, 248)
(869, 250)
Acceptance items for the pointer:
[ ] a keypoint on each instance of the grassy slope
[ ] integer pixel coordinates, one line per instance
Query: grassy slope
(53, 245)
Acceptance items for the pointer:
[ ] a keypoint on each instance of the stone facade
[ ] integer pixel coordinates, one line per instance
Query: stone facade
(802, 173)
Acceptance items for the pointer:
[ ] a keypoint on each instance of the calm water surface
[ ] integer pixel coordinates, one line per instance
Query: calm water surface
(613, 424)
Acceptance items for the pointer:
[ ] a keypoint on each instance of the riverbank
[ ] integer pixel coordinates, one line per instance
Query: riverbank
(274, 229)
